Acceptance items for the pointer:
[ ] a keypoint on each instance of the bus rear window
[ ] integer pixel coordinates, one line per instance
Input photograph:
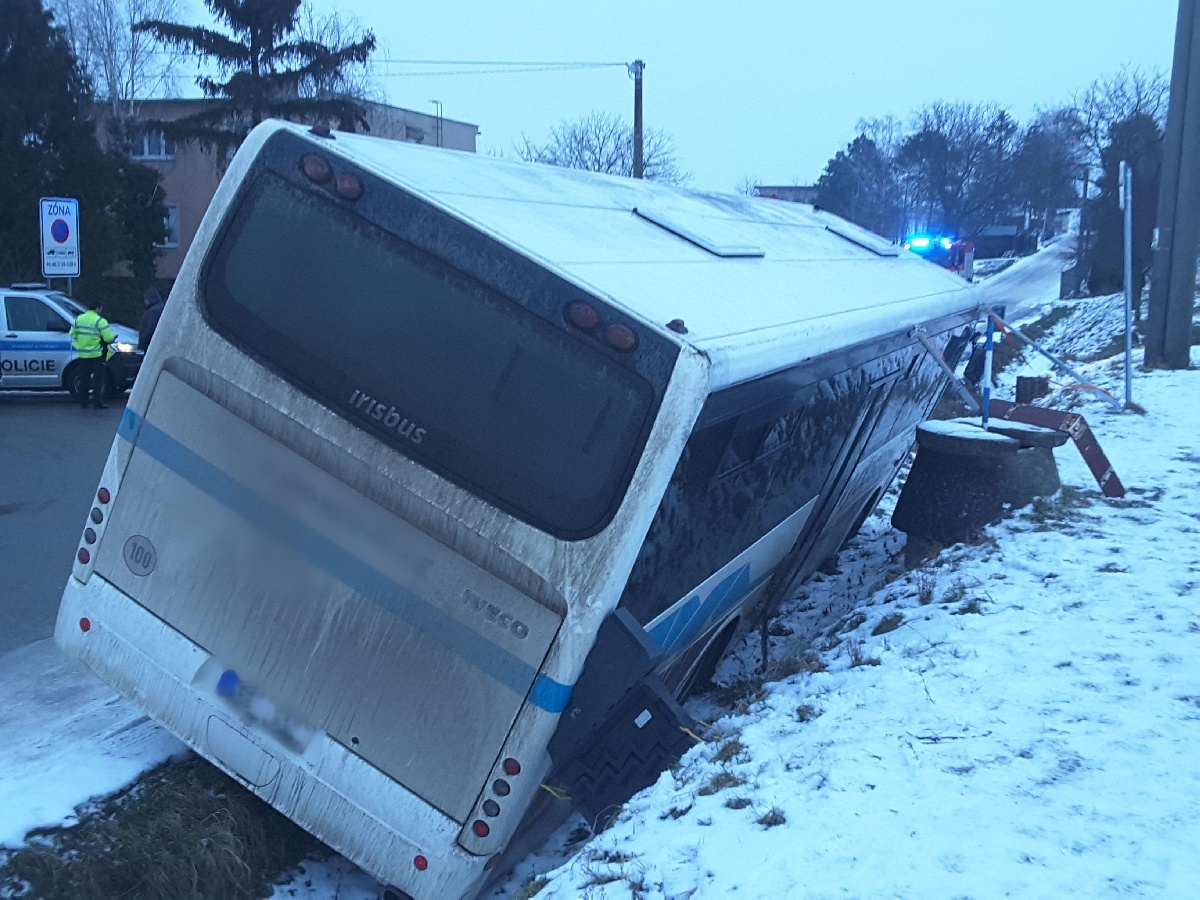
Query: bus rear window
(445, 369)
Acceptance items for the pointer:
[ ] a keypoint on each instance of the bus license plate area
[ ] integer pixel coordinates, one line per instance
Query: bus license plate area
(253, 707)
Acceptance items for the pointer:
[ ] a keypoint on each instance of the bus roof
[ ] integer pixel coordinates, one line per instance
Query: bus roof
(759, 284)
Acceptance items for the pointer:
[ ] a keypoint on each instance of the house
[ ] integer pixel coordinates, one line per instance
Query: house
(189, 174)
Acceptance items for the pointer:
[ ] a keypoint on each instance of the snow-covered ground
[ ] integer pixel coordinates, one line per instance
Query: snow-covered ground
(1019, 718)
(1016, 718)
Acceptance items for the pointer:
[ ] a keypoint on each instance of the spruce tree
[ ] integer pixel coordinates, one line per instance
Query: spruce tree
(265, 70)
(859, 184)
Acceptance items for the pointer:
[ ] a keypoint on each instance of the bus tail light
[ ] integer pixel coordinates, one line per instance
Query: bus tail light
(512, 767)
(83, 556)
(85, 624)
(316, 168)
(349, 187)
(621, 337)
(480, 828)
(420, 863)
(582, 315)
(103, 495)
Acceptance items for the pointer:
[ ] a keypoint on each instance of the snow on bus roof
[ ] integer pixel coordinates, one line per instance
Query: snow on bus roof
(760, 284)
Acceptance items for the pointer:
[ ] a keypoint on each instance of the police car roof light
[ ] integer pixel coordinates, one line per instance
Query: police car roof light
(28, 286)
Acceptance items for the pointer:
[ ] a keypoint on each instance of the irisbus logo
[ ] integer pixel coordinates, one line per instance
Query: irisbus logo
(370, 408)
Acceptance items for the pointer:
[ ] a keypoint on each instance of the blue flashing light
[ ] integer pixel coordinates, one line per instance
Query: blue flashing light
(919, 242)
(227, 684)
(946, 243)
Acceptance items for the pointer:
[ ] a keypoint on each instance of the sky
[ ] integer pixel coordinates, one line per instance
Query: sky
(766, 91)
(1025, 725)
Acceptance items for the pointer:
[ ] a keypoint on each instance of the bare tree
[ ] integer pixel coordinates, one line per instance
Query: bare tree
(602, 142)
(885, 132)
(960, 158)
(124, 66)
(1117, 98)
(336, 30)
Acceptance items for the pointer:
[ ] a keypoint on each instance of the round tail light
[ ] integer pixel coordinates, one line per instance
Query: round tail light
(316, 168)
(85, 625)
(621, 337)
(83, 556)
(480, 828)
(420, 863)
(349, 187)
(103, 495)
(582, 315)
(512, 767)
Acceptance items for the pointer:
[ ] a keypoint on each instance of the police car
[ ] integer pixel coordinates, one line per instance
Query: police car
(36, 351)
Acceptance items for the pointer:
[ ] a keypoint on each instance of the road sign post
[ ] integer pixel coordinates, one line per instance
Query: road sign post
(59, 225)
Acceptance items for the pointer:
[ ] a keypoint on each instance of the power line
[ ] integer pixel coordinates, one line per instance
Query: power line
(479, 62)
(506, 71)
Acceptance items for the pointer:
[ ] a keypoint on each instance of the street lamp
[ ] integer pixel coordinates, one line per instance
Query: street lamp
(438, 132)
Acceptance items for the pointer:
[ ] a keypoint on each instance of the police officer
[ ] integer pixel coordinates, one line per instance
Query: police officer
(90, 335)
(154, 310)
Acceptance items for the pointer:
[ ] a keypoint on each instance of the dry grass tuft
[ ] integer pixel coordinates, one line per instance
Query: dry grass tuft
(890, 622)
(719, 782)
(184, 830)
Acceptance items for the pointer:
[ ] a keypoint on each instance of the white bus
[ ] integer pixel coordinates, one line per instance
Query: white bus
(447, 476)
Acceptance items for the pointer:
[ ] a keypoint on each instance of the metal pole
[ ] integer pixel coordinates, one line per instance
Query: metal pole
(955, 382)
(437, 127)
(635, 69)
(1173, 273)
(987, 367)
(1125, 197)
(1112, 401)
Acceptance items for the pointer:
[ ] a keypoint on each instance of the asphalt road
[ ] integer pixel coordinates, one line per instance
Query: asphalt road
(51, 456)
(1030, 282)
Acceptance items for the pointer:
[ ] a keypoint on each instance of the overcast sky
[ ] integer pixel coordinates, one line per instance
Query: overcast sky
(762, 90)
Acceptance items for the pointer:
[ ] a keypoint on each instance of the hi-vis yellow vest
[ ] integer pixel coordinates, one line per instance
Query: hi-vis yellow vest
(89, 331)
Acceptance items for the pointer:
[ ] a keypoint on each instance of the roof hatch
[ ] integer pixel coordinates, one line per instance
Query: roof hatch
(862, 238)
(717, 236)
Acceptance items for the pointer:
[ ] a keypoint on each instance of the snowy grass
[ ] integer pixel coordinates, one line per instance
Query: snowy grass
(183, 830)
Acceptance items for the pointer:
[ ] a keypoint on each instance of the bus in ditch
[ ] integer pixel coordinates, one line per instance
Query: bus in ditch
(446, 477)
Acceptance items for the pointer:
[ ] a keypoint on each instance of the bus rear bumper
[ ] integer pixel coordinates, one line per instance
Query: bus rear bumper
(333, 794)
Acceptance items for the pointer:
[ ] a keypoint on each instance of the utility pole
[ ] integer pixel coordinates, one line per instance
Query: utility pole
(1173, 273)
(635, 71)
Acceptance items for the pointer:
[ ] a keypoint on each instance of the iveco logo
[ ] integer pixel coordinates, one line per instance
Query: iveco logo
(370, 408)
(494, 614)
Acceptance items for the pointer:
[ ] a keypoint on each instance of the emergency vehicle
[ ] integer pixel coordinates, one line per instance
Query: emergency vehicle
(36, 351)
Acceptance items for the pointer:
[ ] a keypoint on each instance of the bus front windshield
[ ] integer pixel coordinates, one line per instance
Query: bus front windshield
(439, 365)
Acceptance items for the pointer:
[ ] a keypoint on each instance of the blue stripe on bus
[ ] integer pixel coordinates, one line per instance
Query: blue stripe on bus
(35, 345)
(489, 658)
(682, 626)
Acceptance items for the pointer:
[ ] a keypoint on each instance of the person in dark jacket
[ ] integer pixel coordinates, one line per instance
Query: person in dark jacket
(154, 310)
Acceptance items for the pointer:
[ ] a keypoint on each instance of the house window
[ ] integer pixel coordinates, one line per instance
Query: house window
(153, 144)
(171, 226)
